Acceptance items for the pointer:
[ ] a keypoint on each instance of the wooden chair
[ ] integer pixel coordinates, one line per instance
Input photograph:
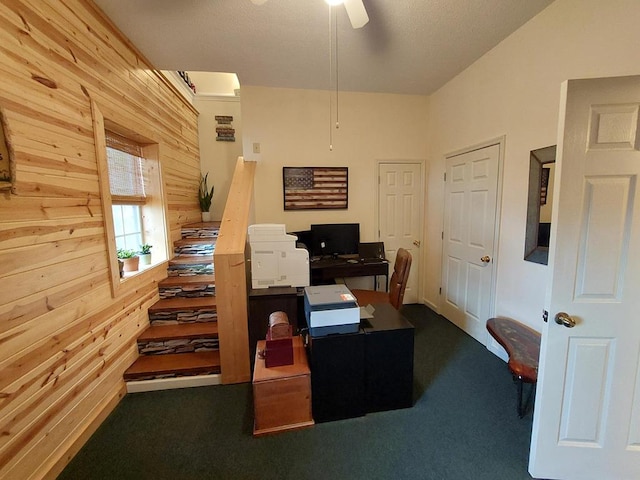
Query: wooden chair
(397, 284)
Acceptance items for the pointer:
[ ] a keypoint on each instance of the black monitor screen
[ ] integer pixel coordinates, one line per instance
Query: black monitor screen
(335, 239)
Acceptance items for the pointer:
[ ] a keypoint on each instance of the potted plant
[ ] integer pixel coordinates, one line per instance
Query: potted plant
(129, 258)
(145, 254)
(205, 195)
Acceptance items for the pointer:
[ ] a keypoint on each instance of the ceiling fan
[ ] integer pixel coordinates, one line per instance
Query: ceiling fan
(355, 10)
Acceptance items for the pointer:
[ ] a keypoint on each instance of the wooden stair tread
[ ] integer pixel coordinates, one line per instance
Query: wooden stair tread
(191, 260)
(185, 330)
(195, 241)
(179, 363)
(215, 224)
(182, 303)
(188, 280)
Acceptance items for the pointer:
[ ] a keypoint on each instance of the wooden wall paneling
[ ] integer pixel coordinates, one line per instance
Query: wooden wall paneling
(43, 278)
(64, 341)
(17, 234)
(229, 263)
(28, 458)
(80, 324)
(40, 209)
(28, 400)
(73, 295)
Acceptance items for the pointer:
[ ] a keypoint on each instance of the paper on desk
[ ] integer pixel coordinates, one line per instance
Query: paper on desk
(367, 312)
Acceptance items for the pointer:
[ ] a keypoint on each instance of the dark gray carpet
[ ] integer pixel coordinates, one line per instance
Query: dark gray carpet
(463, 425)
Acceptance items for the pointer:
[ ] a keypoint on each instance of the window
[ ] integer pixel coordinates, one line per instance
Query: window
(131, 189)
(126, 184)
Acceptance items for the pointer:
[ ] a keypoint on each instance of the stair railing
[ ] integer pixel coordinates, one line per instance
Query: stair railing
(231, 271)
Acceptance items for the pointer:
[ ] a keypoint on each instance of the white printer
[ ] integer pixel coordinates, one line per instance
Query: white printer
(275, 259)
(331, 309)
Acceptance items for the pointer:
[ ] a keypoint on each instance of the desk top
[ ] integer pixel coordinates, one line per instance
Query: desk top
(300, 364)
(346, 260)
(385, 317)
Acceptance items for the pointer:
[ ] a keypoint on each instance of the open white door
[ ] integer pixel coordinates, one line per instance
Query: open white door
(587, 411)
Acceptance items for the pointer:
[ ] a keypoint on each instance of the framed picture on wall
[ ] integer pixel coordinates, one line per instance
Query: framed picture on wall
(315, 188)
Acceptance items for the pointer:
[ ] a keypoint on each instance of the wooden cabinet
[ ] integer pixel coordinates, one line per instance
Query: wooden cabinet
(282, 395)
(262, 303)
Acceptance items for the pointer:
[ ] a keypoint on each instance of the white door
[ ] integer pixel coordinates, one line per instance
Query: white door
(587, 411)
(471, 186)
(400, 197)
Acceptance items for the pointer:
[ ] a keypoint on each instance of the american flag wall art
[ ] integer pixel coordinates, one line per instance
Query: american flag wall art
(309, 188)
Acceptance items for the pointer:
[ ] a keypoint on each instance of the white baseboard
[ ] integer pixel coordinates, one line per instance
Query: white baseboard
(156, 384)
(495, 348)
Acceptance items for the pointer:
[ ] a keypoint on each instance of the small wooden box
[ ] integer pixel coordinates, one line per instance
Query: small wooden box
(282, 395)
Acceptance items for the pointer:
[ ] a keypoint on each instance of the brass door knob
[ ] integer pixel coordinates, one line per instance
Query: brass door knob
(485, 259)
(565, 320)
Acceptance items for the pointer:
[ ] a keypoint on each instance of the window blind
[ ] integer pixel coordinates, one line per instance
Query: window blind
(124, 158)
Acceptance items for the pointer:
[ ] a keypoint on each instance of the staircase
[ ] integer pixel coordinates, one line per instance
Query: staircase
(180, 347)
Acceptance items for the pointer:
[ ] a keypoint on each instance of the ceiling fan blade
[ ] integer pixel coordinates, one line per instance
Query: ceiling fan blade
(357, 13)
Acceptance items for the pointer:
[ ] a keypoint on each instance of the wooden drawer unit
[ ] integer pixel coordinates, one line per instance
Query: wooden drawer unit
(282, 395)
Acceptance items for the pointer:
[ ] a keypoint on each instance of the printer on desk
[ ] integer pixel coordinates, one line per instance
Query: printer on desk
(331, 309)
(275, 260)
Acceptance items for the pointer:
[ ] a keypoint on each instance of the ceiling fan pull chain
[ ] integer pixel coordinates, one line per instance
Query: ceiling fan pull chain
(330, 80)
(337, 100)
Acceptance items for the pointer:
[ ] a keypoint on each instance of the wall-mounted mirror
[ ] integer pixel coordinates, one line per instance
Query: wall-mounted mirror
(542, 164)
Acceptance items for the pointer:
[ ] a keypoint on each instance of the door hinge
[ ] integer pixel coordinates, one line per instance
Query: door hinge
(445, 176)
(442, 235)
(545, 316)
(440, 292)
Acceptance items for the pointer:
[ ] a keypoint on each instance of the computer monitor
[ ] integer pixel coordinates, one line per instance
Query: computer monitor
(335, 239)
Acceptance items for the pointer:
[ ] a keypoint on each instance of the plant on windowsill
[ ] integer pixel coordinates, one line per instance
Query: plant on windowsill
(130, 259)
(205, 196)
(145, 254)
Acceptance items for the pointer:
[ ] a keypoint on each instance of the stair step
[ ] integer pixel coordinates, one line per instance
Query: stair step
(172, 304)
(182, 338)
(177, 364)
(191, 260)
(190, 280)
(172, 332)
(180, 310)
(195, 241)
(201, 230)
(193, 286)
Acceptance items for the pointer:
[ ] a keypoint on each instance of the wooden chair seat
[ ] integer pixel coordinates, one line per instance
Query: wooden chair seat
(522, 344)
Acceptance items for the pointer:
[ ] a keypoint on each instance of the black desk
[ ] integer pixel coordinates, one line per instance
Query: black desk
(368, 371)
(326, 270)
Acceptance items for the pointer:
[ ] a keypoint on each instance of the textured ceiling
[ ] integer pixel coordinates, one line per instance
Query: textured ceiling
(408, 46)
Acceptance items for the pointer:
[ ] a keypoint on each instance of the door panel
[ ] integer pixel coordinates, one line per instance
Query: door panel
(400, 197)
(587, 418)
(469, 234)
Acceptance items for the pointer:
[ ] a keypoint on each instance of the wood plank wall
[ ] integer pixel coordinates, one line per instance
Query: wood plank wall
(64, 341)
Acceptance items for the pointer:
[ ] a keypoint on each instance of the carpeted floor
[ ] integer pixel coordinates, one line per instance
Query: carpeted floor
(463, 425)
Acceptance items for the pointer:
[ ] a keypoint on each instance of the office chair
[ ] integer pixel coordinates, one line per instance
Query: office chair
(396, 286)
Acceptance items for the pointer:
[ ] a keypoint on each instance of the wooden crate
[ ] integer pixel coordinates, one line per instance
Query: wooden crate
(282, 395)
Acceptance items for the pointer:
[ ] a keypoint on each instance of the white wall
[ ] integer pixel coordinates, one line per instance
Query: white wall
(292, 127)
(514, 90)
(218, 158)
